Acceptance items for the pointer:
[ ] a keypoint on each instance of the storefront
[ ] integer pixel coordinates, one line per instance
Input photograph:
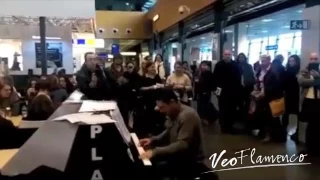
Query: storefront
(10, 51)
(20, 49)
(199, 48)
(268, 34)
(198, 39)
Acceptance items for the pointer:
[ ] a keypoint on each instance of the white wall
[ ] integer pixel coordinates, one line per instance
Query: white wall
(25, 33)
(52, 8)
(83, 36)
(310, 38)
(78, 52)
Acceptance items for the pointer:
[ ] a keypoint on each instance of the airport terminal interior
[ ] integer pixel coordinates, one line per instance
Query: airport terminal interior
(160, 89)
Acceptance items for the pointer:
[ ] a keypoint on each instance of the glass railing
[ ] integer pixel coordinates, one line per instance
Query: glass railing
(129, 5)
(148, 5)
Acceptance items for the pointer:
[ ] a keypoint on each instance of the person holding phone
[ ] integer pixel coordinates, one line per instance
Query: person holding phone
(309, 80)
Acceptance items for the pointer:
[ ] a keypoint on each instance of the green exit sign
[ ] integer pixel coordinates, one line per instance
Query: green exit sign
(299, 25)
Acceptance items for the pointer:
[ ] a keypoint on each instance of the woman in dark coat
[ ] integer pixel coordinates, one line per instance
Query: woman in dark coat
(203, 90)
(292, 90)
(248, 81)
(132, 85)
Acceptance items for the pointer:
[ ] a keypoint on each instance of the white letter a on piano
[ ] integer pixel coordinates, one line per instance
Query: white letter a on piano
(96, 175)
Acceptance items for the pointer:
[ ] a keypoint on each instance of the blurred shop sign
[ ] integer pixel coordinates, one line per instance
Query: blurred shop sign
(273, 47)
(299, 25)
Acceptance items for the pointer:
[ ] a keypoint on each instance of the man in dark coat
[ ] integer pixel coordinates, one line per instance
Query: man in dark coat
(227, 82)
(93, 81)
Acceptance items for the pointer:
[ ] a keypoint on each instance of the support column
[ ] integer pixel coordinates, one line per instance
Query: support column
(161, 45)
(181, 41)
(43, 45)
(228, 38)
(218, 29)
(242, 45)
(236, 39)
(311, 37)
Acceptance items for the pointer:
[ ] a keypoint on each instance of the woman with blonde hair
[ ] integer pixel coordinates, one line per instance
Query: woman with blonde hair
(143, 62)
(158, 62)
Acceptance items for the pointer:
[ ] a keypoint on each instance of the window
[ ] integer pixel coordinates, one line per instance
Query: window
(254, 53)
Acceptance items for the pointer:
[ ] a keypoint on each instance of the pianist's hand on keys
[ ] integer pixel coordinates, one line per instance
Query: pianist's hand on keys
(144, 143)
(146, 155)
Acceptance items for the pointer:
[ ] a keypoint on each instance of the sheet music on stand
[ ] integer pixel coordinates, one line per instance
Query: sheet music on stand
(116, 115)
(92, 106)
(75, 97)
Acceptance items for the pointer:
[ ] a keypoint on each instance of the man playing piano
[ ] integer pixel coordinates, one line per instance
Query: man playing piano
(180, 146)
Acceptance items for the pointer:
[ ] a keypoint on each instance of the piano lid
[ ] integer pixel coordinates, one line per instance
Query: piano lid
(49, 146)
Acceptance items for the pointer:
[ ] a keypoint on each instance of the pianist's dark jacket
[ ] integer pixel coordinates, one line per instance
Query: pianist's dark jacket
(104, 89)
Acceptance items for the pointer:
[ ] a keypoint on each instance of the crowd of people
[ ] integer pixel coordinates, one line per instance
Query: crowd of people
(263, 97)
(260, 97)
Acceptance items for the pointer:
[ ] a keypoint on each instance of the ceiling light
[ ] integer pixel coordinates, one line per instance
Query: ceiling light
(299, 11)
(128, 53)
(195, 26)
(203, 38)
(267, 20)
(264, 31)
(156, 17)
(228, 31)
(52, 38)
(127, 4)
(286, 27)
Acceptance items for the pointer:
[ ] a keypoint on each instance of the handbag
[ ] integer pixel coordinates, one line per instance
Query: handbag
(277, 107)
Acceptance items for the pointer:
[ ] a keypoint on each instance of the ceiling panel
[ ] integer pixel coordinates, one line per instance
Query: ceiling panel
(241, 6)
(127, 44)
(81, 25)
(124, 44)
(124, 5)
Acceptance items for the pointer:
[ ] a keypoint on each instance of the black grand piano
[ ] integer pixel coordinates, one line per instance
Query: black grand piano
(99, 147)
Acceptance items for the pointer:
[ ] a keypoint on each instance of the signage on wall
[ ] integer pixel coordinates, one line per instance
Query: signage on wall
(273, 47)
(299, 25)
(115, 49)
(97, 43)
(54, 55)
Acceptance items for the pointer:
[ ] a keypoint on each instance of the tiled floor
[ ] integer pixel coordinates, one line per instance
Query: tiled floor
(215, 143)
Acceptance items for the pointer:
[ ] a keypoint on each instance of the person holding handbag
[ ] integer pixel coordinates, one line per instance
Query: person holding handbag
(309, 80)
(270, 100)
